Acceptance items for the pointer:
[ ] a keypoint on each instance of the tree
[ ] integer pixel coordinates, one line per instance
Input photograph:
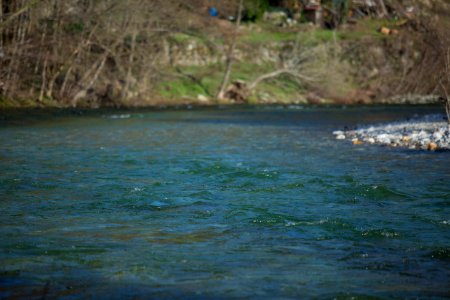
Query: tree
(445, 84)
(229, 55)
(86, 52)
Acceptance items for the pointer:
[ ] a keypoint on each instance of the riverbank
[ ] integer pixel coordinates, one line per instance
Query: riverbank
(202, 101)
(354, 64)
(431, 132)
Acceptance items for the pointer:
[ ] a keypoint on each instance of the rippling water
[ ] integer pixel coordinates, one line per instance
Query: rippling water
(234, 203)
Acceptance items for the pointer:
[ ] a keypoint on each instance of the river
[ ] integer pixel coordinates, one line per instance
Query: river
(217, 204)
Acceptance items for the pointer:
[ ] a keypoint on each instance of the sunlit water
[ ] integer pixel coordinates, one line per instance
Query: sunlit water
(242, 203)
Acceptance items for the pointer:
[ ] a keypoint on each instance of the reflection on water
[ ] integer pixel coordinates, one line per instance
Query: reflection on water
(219, 204)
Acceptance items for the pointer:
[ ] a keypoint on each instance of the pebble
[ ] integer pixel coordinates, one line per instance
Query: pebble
(432, 146)
(437, 135)
(428, 133)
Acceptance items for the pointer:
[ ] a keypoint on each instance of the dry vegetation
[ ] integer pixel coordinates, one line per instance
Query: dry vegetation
(84, 52)
(110, 52)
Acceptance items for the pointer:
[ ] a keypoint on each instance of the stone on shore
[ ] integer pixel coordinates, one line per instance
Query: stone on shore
(430, 132)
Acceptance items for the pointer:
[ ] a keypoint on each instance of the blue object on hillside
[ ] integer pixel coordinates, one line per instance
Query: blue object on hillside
(213, 12)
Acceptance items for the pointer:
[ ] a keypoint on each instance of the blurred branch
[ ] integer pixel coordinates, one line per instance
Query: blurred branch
(11, 18)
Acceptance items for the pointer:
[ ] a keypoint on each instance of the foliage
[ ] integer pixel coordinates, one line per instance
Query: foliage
(113, 52)
(337, 12)
(254, 9)
(98, 52)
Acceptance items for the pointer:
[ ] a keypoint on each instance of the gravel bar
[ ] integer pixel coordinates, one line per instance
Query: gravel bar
(430, 132)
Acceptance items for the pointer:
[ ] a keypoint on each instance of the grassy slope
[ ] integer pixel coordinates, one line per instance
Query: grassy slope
(282, 90)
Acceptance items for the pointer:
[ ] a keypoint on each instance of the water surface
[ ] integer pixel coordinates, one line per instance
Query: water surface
(234, 203)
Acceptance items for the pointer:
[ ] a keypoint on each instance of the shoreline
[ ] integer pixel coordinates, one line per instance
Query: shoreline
(199, 104)
(202, 106)
(163, 103)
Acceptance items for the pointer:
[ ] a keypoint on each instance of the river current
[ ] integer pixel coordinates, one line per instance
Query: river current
(220, 203)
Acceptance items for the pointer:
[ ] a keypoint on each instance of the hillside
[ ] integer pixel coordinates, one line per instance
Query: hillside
(107, 53)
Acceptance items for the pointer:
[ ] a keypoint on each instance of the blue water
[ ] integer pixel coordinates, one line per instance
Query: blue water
(217, 204)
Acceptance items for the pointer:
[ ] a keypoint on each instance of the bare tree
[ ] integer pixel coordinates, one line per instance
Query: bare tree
(445, 84)
(230, 53)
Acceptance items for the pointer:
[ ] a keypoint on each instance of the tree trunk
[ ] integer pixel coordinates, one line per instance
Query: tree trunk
(384, 12)
(445, 84)
(18, 40)
(1, 31)
(82, 93)
(126, 88)
(229, 58)
(44, 79)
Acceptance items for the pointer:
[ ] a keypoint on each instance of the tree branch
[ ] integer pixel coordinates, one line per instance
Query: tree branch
(27, 6)
(277, 73)
(230, 60)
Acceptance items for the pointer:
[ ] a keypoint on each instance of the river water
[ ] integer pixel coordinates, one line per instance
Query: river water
(217, 204)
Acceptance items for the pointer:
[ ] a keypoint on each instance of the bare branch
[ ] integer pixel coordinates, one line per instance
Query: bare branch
(11, 18)
(230, 59)
(277, 73)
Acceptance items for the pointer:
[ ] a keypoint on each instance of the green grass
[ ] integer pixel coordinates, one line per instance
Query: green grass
(259, 37)
(180, 88)
(211, 76)
(369, 28)
(283, 89)
(308, 36)
(181, 37)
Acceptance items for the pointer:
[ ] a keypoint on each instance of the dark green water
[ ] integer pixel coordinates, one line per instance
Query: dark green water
(248, 203)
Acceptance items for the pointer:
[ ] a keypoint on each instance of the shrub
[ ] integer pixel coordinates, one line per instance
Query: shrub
(254, 9)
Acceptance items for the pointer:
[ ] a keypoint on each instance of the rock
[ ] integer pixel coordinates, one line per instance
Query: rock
(432, 146)
(430, 132)
(356, 142)
(425, 142)
(383, 138)
(406, 138)
(385, 30)
(437, 136)
(202, 98)
(413, 99)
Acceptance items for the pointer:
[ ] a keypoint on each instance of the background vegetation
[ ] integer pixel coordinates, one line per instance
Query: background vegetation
(131, 53)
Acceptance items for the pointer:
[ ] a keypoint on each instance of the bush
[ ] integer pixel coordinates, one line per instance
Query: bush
(254, 9)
